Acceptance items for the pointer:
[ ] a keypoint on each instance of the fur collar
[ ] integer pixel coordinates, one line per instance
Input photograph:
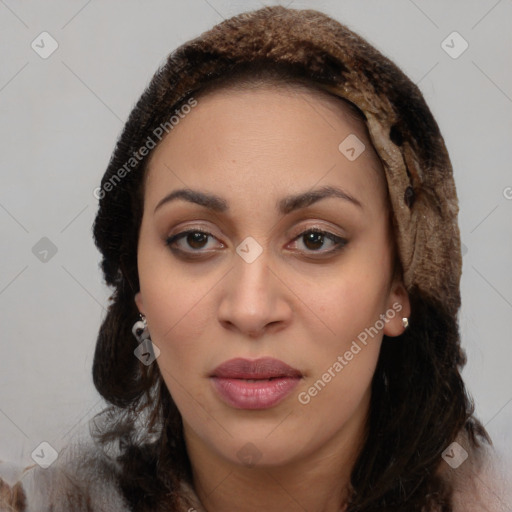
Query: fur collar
(83, 479)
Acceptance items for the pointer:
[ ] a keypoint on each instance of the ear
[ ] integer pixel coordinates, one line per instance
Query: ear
(139, 302)
(399, 304)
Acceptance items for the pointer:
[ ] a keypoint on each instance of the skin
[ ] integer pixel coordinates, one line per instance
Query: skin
(296, 302)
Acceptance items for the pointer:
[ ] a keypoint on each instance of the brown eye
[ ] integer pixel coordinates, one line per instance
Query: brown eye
(192, 241)
(319, 242)
(313, 240)
(197, 239)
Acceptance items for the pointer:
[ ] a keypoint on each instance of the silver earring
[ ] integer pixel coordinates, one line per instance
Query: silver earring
(405, 322)
(140, 329)
(146, 351)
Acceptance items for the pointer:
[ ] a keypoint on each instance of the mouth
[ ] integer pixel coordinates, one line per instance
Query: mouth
(254, 384)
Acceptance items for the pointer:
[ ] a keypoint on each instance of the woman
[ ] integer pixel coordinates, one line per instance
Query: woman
(279, 224)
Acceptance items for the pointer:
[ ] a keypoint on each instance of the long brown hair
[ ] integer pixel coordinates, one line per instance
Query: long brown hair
(419, 403)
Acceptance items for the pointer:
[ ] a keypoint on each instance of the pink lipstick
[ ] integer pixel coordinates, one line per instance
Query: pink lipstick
(256, 384)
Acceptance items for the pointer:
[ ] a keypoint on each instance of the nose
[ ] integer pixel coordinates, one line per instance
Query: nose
(254, 300)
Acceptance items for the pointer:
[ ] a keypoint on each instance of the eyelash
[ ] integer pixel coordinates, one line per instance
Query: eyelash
(340, 242)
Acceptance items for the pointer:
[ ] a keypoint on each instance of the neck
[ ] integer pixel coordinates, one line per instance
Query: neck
(305, 487)
(318, 482)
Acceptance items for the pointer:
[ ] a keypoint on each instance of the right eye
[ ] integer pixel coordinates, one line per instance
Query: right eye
(191, 242)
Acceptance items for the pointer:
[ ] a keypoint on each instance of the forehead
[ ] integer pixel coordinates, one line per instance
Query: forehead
(270, 137)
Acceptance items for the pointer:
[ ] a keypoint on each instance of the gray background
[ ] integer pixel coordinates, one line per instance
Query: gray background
(59, 120)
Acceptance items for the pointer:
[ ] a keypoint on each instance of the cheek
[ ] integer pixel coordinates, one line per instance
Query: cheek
(174, 296)
(178, 308)
(343, 358)
(350, 301)
(179, 328)
(344, 345)
(178, 320)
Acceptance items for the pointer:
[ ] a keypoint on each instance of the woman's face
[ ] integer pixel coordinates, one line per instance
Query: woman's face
(286, 254)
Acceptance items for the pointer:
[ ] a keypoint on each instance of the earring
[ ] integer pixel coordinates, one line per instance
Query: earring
(140, 329)
(147, 351)
(405, 322)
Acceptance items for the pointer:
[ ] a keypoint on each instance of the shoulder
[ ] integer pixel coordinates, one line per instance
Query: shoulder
(81, 479)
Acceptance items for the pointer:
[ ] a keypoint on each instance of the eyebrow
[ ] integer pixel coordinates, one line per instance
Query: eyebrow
(285, 205)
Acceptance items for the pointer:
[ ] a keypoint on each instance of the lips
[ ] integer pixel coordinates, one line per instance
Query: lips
(257, 384)
(264, 368)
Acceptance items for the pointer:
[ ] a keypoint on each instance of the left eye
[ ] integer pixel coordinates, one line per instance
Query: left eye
(315, 239)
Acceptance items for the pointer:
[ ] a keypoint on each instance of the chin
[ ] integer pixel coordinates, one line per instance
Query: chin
(261, 451)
